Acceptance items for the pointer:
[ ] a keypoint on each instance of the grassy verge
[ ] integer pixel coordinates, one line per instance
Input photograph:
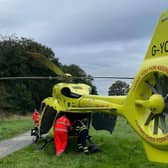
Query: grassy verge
(122, 149)
(13, 125)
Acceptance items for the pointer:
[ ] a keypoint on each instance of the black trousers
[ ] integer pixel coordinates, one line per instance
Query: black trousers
(82, 138)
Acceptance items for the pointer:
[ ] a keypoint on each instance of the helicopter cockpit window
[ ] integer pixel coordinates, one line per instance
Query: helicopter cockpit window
(67, 92)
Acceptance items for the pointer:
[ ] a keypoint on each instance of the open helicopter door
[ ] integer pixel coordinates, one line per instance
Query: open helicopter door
(48, 117)
(102, 121)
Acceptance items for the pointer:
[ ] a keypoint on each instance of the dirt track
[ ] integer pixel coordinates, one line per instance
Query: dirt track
(11, 145)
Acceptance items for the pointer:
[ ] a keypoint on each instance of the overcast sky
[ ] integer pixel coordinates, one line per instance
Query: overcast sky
(103, 37)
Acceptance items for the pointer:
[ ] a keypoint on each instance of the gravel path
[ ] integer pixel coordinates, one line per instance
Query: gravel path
(11, 145)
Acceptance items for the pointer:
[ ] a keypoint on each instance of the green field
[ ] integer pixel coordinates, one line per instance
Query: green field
(14, 125)
(122, 149)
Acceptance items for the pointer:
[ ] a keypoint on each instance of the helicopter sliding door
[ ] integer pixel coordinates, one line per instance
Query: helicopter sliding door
(102, 121)
(48, 117)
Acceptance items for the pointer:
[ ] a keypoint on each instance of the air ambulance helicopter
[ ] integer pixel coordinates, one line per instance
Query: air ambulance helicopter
(67, 95)
(145, 107)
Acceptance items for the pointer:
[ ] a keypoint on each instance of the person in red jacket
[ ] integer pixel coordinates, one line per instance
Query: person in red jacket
(36, 117)
(61, 126)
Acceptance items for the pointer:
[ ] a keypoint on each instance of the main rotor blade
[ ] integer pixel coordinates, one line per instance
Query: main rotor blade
(30, 77)
(112, 77)
(58, 77)
(45, 61)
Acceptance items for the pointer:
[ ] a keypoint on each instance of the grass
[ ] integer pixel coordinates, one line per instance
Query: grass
(122, 149)
(13, 125)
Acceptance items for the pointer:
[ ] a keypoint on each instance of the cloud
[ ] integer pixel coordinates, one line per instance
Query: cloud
(80, 22)
(108, 59)
(105, 21)
(103, 37)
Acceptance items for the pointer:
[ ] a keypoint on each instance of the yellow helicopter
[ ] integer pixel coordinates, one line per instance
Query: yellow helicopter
(145, 107)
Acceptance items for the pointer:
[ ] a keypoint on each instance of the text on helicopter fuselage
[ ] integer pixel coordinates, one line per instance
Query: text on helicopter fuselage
(160, 49)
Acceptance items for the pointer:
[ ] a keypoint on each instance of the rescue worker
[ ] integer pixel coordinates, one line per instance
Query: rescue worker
(61, 127)
(36, 117)
(82, 130)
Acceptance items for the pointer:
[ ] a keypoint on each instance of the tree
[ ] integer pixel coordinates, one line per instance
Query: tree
(118, 88)
(23, 96)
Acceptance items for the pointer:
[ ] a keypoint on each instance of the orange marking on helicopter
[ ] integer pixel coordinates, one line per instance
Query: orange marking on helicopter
(161, 68)
(152, 139)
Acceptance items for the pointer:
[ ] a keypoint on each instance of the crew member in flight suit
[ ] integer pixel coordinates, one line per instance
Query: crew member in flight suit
(82, 130)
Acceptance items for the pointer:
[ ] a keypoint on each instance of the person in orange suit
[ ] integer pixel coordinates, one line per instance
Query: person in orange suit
(36, 117)
(61, 126)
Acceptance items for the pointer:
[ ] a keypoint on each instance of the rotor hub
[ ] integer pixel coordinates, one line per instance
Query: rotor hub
(156, 103)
